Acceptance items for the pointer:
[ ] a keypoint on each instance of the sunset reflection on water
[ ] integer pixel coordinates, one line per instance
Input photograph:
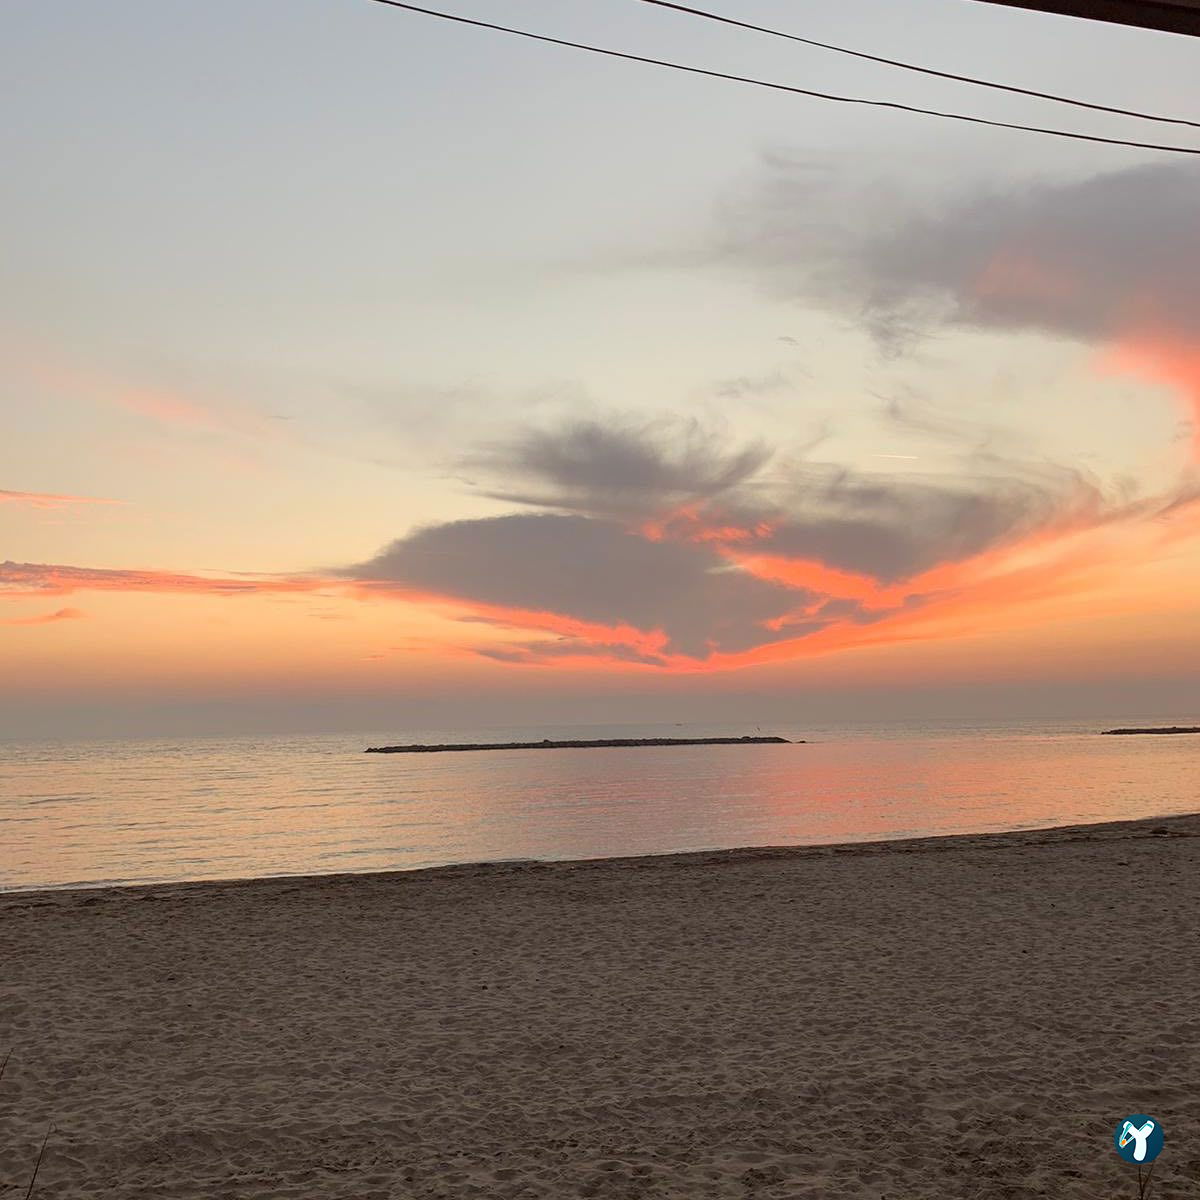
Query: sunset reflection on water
(170, 809)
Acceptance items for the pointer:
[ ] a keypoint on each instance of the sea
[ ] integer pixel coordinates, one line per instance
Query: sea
(121, 812)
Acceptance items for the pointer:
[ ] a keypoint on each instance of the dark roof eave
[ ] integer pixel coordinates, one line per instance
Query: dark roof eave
(1171, 16)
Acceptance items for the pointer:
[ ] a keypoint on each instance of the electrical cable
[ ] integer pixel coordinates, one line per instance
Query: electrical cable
(784, 87)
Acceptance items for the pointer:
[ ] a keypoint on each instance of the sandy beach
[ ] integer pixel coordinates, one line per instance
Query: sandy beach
(958, 1017)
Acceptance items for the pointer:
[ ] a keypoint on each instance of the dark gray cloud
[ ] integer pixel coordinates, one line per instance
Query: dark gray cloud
(907, 411)
(591, 570)
(635, 530)
(885, 525)
(615, 468)
(1087, 259)
(892, 527)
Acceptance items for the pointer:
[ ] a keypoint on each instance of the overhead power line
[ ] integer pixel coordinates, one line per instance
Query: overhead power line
(784, 87)
(907, 66)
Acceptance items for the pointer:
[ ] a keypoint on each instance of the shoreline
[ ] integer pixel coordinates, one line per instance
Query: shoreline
(1034, 836)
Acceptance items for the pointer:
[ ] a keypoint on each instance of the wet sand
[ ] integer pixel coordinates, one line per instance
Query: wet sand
(959, 1017)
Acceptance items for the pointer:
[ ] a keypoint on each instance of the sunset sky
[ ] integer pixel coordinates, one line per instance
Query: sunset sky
(361, 369)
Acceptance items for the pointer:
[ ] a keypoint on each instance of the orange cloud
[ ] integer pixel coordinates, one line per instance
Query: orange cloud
(1005, 588)
(644, 644)
(53, 579)
(1009, 587)
(50, 499)
(62, 614)
(811, 575)
(689, 523)
(26, 580)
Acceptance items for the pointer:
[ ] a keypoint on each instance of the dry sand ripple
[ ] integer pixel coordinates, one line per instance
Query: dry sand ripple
(960, 1017)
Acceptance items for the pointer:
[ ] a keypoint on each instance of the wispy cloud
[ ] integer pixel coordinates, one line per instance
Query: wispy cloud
(50, 500)
(616, 468)
(55, 579)
(163, 402)
(62, 614)
(169, 409)
(742, 387)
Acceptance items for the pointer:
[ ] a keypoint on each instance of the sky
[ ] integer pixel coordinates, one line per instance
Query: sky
(359, 369)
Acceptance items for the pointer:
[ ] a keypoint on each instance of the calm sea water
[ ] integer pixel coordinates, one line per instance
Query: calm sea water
(123, 812)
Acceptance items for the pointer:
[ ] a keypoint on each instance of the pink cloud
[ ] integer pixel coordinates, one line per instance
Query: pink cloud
(1163, 358)
(166, 406)
(171, 409)
(50, 500)
(62, 614)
